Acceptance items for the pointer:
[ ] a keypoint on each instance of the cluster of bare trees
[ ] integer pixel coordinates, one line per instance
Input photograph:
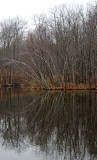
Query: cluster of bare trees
(61, 50)
(11, 41)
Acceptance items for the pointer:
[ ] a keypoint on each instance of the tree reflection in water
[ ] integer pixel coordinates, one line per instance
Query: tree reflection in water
(61, 124)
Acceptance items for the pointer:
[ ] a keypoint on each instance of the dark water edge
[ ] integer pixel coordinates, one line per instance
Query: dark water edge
(48, 125)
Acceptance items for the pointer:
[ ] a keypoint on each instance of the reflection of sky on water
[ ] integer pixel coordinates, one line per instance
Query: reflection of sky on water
(31, 153)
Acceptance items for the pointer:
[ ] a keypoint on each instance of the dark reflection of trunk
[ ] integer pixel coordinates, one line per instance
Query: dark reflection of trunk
(64, 123)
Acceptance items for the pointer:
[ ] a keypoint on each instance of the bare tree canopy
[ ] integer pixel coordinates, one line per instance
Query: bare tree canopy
(61, 51)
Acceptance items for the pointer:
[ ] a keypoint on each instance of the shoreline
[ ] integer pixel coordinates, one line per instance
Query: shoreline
(75, 88)
(64, 89)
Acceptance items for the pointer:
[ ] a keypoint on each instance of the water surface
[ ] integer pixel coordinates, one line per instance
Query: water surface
(48, 125)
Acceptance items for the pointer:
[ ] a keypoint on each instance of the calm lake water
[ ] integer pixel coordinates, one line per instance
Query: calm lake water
(48, 126)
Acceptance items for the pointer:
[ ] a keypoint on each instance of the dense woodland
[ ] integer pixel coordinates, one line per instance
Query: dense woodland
(59, 51)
